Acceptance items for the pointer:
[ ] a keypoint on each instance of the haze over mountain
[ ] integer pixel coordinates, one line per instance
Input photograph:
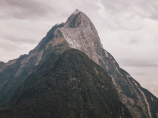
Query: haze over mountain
(78, 32)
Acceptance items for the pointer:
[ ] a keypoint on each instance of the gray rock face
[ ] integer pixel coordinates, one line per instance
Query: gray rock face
(1, 65)
(4, 65)
(79, 32)
(78, 19)
(14, 73)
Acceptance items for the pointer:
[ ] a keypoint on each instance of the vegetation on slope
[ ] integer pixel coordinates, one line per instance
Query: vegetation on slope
(73, 87)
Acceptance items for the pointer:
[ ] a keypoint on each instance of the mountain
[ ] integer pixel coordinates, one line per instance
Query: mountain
(79, 32)
(72, 87)
(4, 65)
(1, 65)
(13, 75)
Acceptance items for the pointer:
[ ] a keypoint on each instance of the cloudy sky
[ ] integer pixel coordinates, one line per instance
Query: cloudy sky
(128, 29)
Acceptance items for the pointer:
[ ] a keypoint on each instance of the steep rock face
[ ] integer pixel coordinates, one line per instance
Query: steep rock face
(13, 73)
(72, 87)
(4, 65)
(1, 65)
(79, 32)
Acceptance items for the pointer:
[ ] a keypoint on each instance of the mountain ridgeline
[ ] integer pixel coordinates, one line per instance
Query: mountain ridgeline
(77, 32)
(72, 87)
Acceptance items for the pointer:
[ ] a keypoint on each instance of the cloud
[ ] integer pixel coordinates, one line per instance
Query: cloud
(23, 9)
(26, 9)
(139, 63)
(151, 85)
(10, 50)
(23, 31)
(8, 45)
(142, 8)
(127, 15)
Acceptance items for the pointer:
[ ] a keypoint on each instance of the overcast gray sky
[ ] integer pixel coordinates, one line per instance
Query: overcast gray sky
(128, 29)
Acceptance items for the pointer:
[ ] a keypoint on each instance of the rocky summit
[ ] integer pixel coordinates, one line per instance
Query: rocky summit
(77, 32)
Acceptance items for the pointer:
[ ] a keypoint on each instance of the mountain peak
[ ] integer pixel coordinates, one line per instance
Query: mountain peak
(77, 19)
(76, 12)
